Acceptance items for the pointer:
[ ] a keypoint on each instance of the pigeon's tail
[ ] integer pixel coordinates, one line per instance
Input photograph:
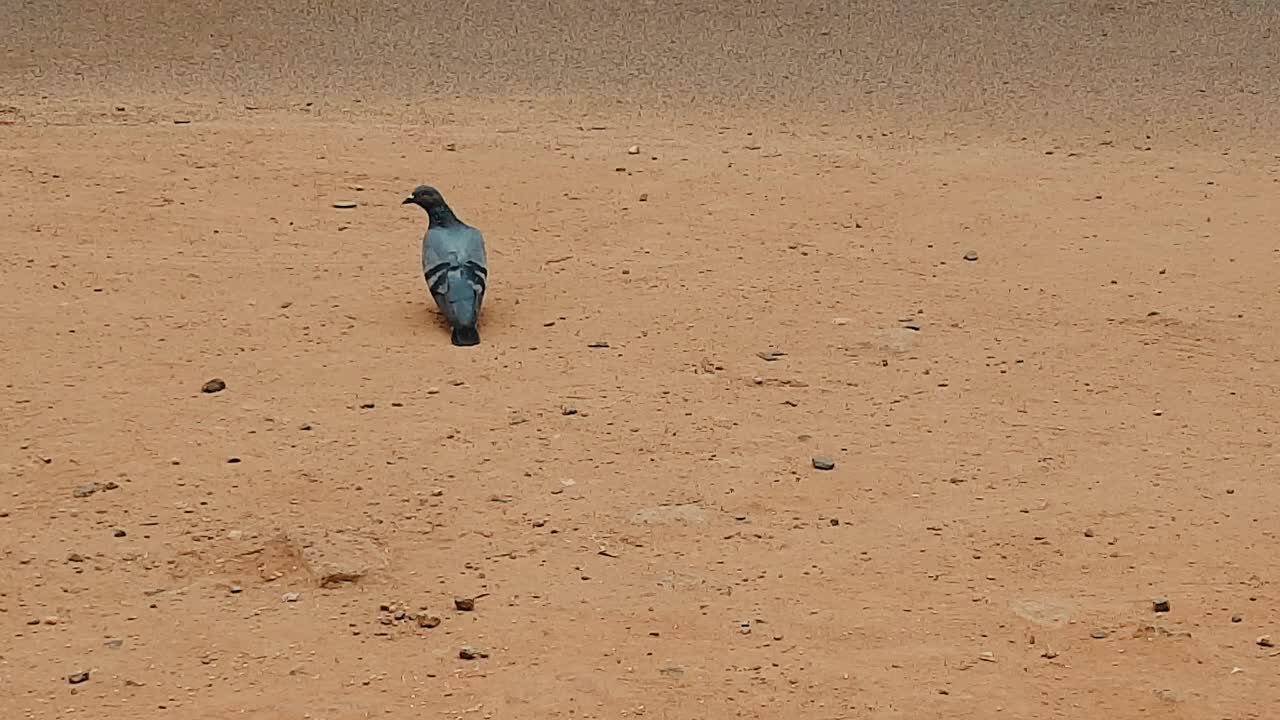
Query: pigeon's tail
(465, 336)
(464, 291)
(464, 295)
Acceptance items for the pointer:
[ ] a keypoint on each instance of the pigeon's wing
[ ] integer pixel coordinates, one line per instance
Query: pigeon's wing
(470, 245)
(476, 262)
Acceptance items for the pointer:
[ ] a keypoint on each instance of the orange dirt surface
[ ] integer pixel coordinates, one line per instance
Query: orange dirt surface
(1013, 269)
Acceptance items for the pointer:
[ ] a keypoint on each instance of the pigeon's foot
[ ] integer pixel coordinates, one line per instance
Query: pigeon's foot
(465, 337)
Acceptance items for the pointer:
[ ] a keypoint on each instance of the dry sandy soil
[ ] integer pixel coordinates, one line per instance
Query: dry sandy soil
(1029, 447)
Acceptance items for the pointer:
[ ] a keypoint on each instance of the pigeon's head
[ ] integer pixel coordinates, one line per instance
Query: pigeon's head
(425, 196)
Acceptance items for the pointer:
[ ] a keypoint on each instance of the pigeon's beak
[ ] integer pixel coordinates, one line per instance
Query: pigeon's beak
(407, 201)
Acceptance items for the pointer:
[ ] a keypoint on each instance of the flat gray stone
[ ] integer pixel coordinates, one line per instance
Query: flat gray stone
(335, 558)
(663, 514)
(1045, 612)
(898, 339)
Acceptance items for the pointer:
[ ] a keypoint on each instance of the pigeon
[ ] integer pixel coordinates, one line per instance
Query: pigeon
(453, 263)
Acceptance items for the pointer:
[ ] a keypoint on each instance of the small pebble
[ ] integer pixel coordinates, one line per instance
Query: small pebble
(1265, 641)
(823, 463)
(291, 597)
(971, 256)
(1098, 634)
(428, 621)
(77, 678)
(1160, 605)
(644, 197)
(471, 653)
(236, 589)
(213, 386)
(464, 604)
(75, 558)
(345, 204)
(1236, 619)
(119, 532)
(633, 150)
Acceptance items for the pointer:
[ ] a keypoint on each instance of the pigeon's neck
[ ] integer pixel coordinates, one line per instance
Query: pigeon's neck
(441, 216)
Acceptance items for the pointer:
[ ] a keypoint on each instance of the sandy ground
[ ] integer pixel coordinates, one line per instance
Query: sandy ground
(1030, 446)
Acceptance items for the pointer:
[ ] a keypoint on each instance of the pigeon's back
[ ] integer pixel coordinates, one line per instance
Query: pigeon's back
(457, 244)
